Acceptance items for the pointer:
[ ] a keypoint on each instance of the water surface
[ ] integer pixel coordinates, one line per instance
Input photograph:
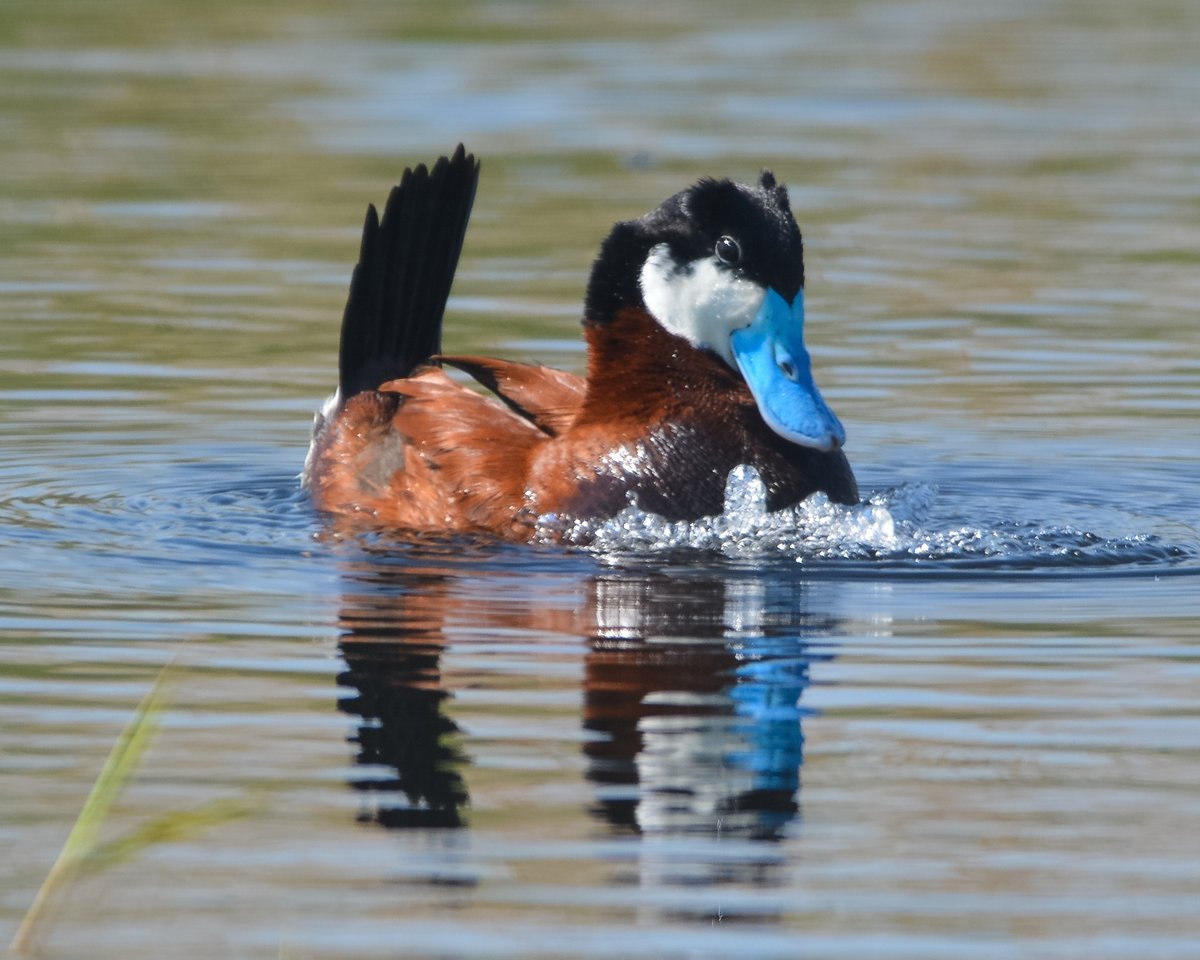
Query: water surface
(958, 720)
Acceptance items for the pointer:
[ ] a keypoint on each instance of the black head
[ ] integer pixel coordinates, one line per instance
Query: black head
(746, 230)
(721, 265)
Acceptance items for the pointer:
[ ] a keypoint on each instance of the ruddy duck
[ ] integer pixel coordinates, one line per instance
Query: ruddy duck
(694, 320)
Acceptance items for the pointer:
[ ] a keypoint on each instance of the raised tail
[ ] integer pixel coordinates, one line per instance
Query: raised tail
(393, 318)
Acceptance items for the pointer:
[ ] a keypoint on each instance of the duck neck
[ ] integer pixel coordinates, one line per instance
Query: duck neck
(639, 371)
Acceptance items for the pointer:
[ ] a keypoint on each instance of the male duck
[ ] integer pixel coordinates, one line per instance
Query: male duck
(696, 363)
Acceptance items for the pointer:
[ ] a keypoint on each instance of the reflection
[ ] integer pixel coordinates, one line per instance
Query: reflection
(393, 665)
(697, 696)
(691, 691)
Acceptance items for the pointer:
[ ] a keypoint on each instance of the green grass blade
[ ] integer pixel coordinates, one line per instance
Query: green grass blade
(118, 769)
(172, 827)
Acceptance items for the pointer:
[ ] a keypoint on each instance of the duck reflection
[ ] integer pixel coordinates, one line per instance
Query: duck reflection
(393, 651)
(691, 694)
(697, 697)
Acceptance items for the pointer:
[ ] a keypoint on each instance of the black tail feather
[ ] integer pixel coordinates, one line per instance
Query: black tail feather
(398, 292)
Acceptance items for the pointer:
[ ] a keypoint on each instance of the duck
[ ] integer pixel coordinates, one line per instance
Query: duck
(693, 318)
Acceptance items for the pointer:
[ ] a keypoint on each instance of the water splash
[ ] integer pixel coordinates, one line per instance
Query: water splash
(894, 526)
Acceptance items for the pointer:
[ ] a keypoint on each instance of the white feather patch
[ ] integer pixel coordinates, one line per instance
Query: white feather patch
(320, 419)
(701, 301)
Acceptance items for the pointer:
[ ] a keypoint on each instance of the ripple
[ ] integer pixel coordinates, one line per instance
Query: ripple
(197, 534)
(891, 528)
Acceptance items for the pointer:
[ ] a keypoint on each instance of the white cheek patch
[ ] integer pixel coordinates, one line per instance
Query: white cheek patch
(703, 303)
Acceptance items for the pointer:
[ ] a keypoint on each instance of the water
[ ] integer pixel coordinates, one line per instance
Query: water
(890, 528)
(957, 720)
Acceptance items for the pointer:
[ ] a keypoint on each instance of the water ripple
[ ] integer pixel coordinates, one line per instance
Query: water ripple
(891, 528)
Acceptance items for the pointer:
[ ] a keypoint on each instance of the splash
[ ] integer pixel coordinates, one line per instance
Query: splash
(894, 526)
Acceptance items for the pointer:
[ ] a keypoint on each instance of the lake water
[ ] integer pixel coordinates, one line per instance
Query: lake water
(961, 720)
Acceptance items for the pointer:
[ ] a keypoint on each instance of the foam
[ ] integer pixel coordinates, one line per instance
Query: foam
(893, 525)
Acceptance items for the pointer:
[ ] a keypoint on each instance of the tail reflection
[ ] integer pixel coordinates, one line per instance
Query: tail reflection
(393, 657)
(691, 691)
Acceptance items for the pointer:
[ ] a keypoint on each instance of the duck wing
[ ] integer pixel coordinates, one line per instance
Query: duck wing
(548, 398)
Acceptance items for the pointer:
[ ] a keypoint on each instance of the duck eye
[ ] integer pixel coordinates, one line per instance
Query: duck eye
(728, 251)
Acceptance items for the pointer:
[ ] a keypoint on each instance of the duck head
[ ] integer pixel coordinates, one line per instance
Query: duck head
(721, 265)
